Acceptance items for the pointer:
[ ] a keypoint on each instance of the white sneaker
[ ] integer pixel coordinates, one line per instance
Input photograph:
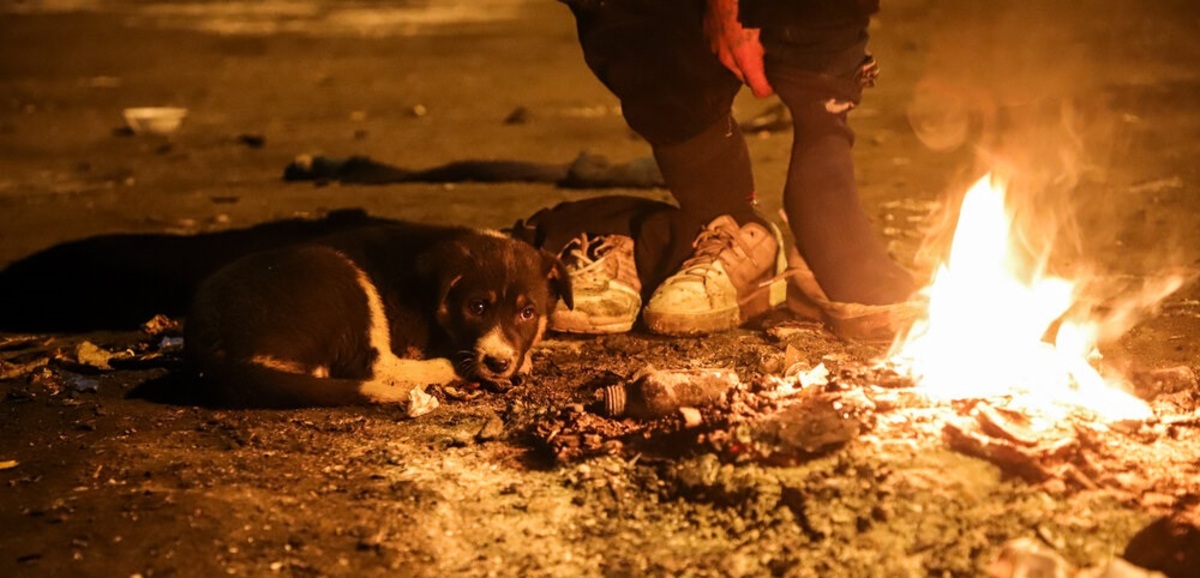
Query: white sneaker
(604, 283)
(732, 276)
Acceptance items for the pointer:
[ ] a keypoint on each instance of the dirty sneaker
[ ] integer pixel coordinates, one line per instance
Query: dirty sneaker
(605, 284)
(733, 275)
(849, 321)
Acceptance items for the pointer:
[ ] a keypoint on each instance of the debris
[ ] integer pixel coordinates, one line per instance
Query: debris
(171, 344)
(83, 384)
(1028, 558)
(651, 393)
(13, 370)
(160, 324)
(796, 377)
(254, 141)
(91, 355)
(420, 403)
(8, 464)
(820, 422)
(519, 115)
(155, 120)
(691, 417)
(1149, 384)
(492, 429)
(22, 342)
(1010, 457)
(1010, 425)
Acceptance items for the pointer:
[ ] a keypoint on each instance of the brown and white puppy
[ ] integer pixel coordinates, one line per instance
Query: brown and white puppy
(367, 315)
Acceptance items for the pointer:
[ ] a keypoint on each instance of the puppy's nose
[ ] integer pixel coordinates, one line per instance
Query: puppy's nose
(497, 364)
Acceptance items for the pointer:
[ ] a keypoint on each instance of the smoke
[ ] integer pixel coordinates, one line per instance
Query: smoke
(1050, 97)
(1028, 86)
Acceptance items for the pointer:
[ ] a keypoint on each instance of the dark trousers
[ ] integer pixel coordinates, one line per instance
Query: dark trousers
(653, 55)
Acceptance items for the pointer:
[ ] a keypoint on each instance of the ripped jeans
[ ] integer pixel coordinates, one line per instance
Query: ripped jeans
(653, 55)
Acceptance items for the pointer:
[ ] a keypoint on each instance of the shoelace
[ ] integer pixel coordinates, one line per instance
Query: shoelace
(589, 250)
(708, 246)
(577, 250)
(605, 246)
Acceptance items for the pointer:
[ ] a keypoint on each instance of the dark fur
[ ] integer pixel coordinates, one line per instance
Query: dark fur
(304, 306)
(120, 281)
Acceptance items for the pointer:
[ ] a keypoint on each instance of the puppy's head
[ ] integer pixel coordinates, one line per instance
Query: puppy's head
(495, 295)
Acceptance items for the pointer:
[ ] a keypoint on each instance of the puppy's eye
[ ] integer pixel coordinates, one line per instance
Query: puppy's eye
(477, 307)
(528, 313)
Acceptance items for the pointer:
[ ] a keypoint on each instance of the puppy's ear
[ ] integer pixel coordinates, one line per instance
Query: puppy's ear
(433, 270)
(559, 279)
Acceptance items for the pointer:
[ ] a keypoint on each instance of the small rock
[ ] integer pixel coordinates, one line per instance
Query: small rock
(492, 429)
(519, 115)
(254, 141)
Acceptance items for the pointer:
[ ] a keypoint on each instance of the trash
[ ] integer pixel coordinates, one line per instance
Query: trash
(160, 324)
(13, 370)
(651, 393)
(1026, 557)
(83, 384)
(420, 403)
(819, 423)
(91, 355)
(254, 141)
(691, 417)
(155, 120)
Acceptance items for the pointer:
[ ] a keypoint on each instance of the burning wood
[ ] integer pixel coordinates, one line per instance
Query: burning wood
(999, 324)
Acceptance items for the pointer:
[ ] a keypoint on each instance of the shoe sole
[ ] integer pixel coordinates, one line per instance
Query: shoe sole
(763, 299)
(760, 301)
(570, 322)
(681, 324)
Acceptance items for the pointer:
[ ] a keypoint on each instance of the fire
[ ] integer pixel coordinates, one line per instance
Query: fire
(997, 325)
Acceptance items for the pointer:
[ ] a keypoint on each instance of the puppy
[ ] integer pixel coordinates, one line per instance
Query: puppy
(367, 315)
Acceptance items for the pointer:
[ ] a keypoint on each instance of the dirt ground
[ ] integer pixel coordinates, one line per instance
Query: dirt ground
(97, 484)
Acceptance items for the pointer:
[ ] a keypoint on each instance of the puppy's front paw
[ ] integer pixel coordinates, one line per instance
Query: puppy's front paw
(502, 386)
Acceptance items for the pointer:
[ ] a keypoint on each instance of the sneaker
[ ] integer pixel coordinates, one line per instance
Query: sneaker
(849, 321)
(604, 283)
(733, 275)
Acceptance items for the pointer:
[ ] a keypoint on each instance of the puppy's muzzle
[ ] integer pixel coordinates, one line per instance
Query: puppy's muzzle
(496, 360)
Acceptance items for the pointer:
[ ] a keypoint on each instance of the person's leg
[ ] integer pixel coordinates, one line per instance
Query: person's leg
(831, 230)
(652, 54)
(715, 250)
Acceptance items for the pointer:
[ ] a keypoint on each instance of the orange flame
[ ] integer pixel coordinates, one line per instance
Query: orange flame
(989, 316)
